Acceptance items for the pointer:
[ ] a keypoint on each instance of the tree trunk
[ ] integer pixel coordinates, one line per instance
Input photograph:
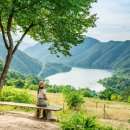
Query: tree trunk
(5, 69)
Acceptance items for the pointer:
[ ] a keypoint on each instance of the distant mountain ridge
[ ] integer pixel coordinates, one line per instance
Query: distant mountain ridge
(26, 65)
(90, 54)
(21, 62)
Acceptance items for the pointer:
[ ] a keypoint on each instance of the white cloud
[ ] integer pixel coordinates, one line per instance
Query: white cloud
(113, 22)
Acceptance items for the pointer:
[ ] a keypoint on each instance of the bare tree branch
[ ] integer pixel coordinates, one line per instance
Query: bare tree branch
(3, 34)
(24, 34)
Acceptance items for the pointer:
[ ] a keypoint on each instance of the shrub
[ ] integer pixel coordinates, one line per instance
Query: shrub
(88, 93)
(102, 95)
(19, 83)
(113, 97)
(51, 90)
(119, 98)
(59, 89)
(11, 94)
(78, 121)
(33, 87)
(74, 99)
(128, 99)
(128, 120)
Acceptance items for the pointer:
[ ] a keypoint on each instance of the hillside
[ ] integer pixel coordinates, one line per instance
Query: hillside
(22, 62)
(53, 68)
(90, 54)
(43, 54)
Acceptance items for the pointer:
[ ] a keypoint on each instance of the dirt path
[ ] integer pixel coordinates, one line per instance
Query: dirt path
(23, 121)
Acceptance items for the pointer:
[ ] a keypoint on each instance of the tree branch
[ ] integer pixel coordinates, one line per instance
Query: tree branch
(9, 30)
(24, 34)
(3, 34)
(9, 24)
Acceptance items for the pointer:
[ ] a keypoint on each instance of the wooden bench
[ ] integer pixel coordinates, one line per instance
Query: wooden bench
(47, 109)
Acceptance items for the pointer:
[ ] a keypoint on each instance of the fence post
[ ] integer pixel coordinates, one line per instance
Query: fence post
(104, 110)
(63, 107)
(96, 106)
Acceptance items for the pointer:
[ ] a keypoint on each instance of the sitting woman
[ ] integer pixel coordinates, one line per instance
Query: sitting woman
(41, 94)
(41, 99)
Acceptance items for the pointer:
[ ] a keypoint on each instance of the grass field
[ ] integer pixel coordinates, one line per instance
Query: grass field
(117, 114)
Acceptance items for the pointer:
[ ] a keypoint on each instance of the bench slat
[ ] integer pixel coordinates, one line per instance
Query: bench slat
(52, 108)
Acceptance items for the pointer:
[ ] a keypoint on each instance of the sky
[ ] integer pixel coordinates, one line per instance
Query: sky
(113, 22)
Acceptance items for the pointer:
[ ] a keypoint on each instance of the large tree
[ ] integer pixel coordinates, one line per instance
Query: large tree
(62, 22)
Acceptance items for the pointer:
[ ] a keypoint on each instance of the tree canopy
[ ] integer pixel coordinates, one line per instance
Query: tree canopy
(61, 22)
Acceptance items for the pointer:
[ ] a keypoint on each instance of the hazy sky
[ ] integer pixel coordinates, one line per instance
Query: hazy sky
(113, 22)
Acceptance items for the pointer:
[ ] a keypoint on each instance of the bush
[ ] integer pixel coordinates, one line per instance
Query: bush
(33, 87)
(113, 97)
(78, 121)
(102, 95)
(59, 89)
(51, 89)
(88, 93)
(128, 120)
(119, 98)
(74, 99)
(11, 94)
(128, 99)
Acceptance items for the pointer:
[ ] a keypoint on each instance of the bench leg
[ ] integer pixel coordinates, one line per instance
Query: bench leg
(46, 114)
(38, 113)
(49, 115)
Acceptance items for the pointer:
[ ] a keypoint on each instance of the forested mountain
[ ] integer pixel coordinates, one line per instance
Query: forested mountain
(42, 53)
(90, 54)
(117, 86)
(53, 68)
(21, 62)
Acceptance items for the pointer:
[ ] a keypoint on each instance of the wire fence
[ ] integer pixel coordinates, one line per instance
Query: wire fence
(107, 111)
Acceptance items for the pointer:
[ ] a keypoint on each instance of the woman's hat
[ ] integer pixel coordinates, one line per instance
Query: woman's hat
(42, 84)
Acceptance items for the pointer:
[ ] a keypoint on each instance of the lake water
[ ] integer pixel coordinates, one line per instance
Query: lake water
(81, 78)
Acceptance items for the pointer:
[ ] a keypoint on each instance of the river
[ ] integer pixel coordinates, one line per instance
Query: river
(81, 78)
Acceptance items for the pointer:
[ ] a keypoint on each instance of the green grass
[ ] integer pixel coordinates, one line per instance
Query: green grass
(119, 112)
